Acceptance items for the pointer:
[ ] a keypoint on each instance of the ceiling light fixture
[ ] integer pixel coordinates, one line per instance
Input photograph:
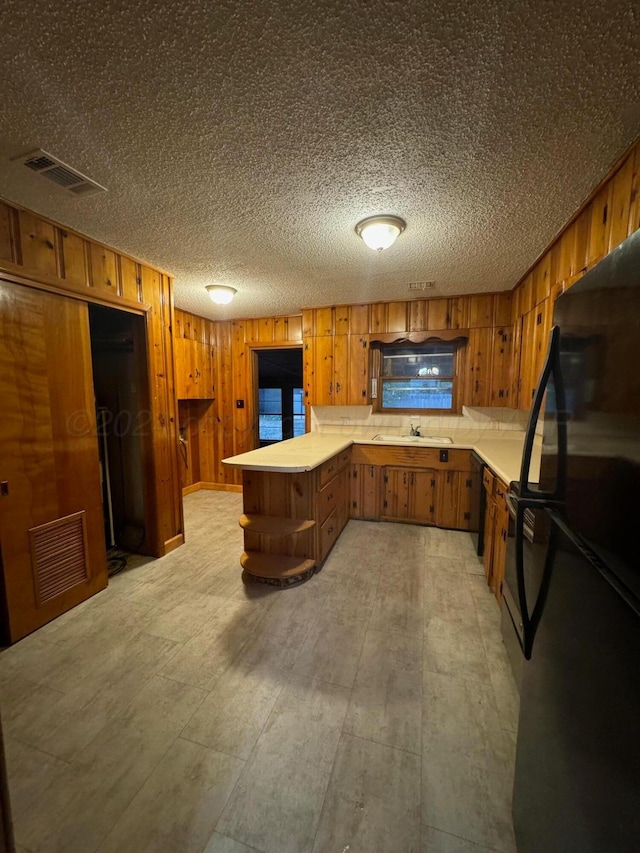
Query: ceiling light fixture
(221, 294)
(380, 232)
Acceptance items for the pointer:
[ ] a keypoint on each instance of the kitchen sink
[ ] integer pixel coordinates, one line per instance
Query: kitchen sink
(415, 439)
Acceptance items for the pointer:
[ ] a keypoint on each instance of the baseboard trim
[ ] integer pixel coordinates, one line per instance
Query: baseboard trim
(173, 543)
(194, 487)
(214, 487)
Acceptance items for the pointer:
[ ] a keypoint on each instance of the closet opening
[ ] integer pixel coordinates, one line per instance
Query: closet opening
(120, 379)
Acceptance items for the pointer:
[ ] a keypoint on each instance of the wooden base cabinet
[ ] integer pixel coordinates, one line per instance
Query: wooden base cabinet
(365, 491)
(496, 529)
(409, 495)
(424, 488)
(291, 521)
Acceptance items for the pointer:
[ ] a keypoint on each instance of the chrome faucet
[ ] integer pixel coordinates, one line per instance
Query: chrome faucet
(415, 430)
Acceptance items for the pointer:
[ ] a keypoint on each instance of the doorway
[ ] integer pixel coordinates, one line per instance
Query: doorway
(280, 409)
(123, 420)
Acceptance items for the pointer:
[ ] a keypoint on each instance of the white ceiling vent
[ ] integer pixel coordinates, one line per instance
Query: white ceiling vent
(55, 170)
(420, 285)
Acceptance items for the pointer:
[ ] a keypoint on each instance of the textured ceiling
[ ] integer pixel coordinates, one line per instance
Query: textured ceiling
(241, 141)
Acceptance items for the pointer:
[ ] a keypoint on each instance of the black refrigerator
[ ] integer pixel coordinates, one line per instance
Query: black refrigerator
(572, 583)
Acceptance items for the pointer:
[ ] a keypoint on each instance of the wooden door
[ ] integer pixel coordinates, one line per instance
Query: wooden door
(544, 315)
(478, 368)
(489, 535)
(422, 497)
(340, 370)
(501, 366)
(358, 370)
(466, 489)
(365, 491)
(323, 372)
(448, 494)
(51, 523)
(499, 544)
(527, 360)
(396, 493)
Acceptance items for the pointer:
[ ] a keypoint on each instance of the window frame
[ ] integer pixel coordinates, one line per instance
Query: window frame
(377, 350)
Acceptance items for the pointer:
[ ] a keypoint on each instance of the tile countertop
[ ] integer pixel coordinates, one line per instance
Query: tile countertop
(500, 449)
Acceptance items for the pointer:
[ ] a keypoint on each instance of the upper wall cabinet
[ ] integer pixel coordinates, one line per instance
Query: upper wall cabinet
(43, 251)
(37, 244)
(194, 356)
(609, 217)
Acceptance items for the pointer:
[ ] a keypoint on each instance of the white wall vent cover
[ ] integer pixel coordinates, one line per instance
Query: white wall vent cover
(420, 285)
(60, 173)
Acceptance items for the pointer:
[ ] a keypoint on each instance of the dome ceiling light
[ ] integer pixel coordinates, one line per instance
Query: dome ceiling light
(221, 294)
(380, 232)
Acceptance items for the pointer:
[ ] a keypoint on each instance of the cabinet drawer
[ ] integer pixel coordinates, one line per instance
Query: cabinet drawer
(328, 470)
(488, 480)
(329, 532)
(329, 496)
(499, 492)
(344, 458)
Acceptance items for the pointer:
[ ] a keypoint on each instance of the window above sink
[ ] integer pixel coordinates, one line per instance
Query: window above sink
(416, 378)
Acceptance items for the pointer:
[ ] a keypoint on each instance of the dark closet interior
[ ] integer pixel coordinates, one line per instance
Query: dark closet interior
(124, 421)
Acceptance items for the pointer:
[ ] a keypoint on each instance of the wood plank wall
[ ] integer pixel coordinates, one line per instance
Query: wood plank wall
(213, 363)
(336, 345)
(213, 372)
(37, 252)
(610, 214)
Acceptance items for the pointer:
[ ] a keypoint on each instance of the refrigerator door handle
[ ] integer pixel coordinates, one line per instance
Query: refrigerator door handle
(551, 368)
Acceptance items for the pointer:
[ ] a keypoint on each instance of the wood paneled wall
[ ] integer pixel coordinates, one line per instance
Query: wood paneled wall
(336, 345)
(38, 253)
(609, 216)
(214, 366)
(214, 370)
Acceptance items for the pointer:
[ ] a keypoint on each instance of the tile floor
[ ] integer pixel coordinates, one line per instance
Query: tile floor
(371, 710)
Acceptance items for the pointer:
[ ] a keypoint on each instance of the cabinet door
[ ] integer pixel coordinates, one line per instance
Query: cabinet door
(467, 492)
(358, 370)
(489, 536)
(422, 497)
(323, 372)
(600, 225)
(37, 244)
(53, 553)
(365, 491)
(527, 381)
(448, 494)
(541, 325)
(501, 365)
(340, 370)
(499, 548)
(396, 493)
(478, 367)
(104, 268)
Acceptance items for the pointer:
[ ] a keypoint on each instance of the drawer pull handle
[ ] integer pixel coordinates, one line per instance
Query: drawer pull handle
(329, 497)
(330, 530)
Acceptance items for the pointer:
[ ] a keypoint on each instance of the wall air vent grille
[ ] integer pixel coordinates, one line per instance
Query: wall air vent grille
(60, 173)
(59, 555)
(420, 285)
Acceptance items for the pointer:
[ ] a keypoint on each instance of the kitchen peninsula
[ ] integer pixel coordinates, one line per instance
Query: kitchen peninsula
(299, 494)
